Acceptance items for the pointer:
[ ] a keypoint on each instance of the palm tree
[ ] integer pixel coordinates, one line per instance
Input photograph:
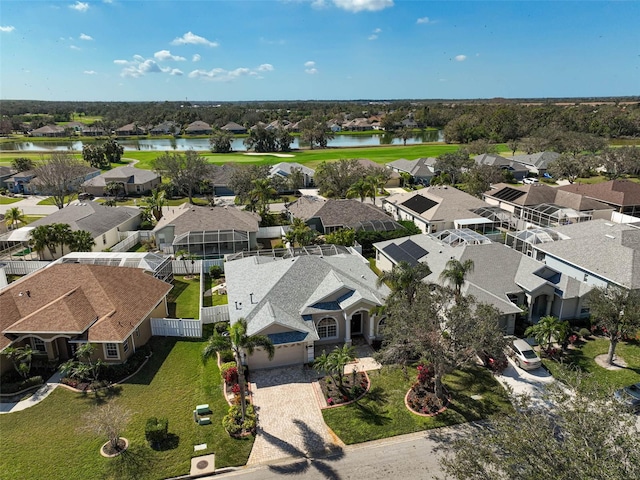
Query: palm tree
(82, 241)
(237, 340)
(13, 217)
(156, 201)
(334, 362)
(361, 189)
(41, 238)
(456, 272)
(261, 193)
(404, 278)
(21, 359)
(300, 233)
(405, 133)
(549, 328)
(62, 234)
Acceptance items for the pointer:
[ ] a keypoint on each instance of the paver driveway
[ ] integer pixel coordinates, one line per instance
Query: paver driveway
(290, 423)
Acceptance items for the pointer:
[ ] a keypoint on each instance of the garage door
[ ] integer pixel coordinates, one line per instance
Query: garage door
(291, 354)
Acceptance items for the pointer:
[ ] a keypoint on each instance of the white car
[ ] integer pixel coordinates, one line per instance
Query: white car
(523, 355)
(530, 180)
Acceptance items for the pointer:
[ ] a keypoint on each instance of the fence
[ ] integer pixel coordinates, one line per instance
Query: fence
(132, 239)
(273, 232)
(215, 314)
(17, 267)
(176, 327)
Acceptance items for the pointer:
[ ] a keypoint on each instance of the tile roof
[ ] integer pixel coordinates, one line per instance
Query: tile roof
(192, 218)
(614, 192)
(71, 298)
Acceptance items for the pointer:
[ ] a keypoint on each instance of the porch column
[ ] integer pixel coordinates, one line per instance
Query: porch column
(347, 329)
(532, 301)
(549, 304)
(310, 353)
(372, 321)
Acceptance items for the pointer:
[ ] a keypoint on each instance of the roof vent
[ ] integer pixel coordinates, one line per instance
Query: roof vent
(609, 236)
(609, 224)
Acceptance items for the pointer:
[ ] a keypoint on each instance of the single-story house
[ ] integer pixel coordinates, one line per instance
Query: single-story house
(394, 178)
(536, 162)
(130, 129)
(219, 177)
(5, 174)
(501, 277)
(210, 232)
(27, 182)
(326, 216)
(303, 303)
(134, 181)
(518, 170)
(284, 170)
(166, 128)
(93, 131)
(198, 128)
(438, 208)
(59, 308)
(421, 170)
(234, 128)
(48, 131)
(622, 195)
(104, 224)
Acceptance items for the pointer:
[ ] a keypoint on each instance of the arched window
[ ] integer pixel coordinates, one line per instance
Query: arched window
(381, 323)
(327, 328)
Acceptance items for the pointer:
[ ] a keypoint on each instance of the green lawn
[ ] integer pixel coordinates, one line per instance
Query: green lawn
(31, 218)
(583, 357)
(382, 413)
(44, 441)
(8, 200)
(49, 200)
(184, 298)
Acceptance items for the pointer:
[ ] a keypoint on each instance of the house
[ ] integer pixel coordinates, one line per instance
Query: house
(284, 170)
(357, 125)
(326, 216)
(541, 205)
(210, 232)
(28, 183)
(438, 208)
(304, 303)
(104, 223)
(621, 195)
(21, 182)
(501, 277)
(58, 308)
(5, 174)
(421, 170)
(278, 125)
(166, 128)
(219, 177)
(48, 131)
(234, 128)
(198, 128)
(518, 170)
(130, 129)
(370, 165)
(536, 163)
(134, 181)
(599, 253)
(93, 131)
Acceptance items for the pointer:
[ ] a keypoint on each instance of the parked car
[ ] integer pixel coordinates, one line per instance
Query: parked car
(495, 363)
(629, 396)
(530, 180)
(85, 196)
(523, 355)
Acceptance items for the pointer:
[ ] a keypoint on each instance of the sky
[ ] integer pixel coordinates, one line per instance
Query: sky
(240, 50)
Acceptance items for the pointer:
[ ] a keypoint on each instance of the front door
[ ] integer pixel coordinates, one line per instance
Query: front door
(356, 324)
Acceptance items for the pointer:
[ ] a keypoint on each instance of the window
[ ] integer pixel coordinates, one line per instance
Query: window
(327, 328)
(39, 345)
(381, 325)
(104, 239)
(125, 346)
(111, 350)
(137, 331)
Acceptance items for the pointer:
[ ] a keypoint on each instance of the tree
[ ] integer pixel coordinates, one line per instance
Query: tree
(456, 273)
(261, 139)
(21, 359)
(405, 133)
(113, 189)
(220, 141)
(454, 164)
(82, 241)
(334, 362)
(62, 235)
(42, 238)
(83, 367)
(335, 178)
(156, 201)
(548, 329)
(513, 146)
(361, 189)
(94, 156)
(22, 164)
(112, 150)
(300, 233)
(295, 180)
(187, 257)
(480, 177)
(238, 341)
(242, 177)
(315, 133)
(404, 278)
(377, 178)
(585, 435)
(261, 193)
(13, 216)
(185, 171)
(108, 420)
(617, 312)
(570, 167)
(60, 177)
(480, 146)
(344, 236)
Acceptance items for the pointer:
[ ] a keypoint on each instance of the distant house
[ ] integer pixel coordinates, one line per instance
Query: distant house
(284, 170)
(234, 128)
(166, 128)
(326, 216)
(394, 178)
(93, 131)
(537, 162)
(210, 232)
(357, 125)
(130, 129)
(278, 124)
(198, 128)
(104, 223)
(27, 182)
(434, 209)
(622, 195)
(5, 174)
(134, 181)
(48, 131)
(421, 170)
(59, 308)
(518, 170)
(220, 177)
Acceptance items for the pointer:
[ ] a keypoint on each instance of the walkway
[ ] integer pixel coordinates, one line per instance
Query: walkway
(40, 394)
(290, 422)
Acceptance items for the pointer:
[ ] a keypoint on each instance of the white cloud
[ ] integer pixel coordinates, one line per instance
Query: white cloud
(310, 64)
(121, 62)
(272, 42)
(423, 20)
(84, 36)
(318, 3)
(80, 6)
(90, 72)
(140, 66)
(460, 58)
(164, 55)
(73, 47)
(196, 58)
(310, 68)
(193, 39)
(222, 75)
(7, 29)
(265, 67)
(176, 72)
(374, 35)
(107, 1)
(363, 5)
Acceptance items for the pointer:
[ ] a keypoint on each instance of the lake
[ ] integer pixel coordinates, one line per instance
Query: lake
(202, 144)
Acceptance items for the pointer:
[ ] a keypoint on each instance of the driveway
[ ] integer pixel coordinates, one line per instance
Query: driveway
(290, 423)
(523, 382)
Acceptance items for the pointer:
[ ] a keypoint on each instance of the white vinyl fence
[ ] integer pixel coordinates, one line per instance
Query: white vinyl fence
(176, 327)
(219, 313)
(20, 267)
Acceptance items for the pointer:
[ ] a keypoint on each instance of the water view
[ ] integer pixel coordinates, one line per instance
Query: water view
(202, 144)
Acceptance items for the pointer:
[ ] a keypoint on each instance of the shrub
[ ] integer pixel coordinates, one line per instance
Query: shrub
(215, 271)
(156, 430)
(221, 327)
(21, 384)
(584, 332)
(226, 356)
(229, 372)
(235, 389)
(120, 371)
(232, 421)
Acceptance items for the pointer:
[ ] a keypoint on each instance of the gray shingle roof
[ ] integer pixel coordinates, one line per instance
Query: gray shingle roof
(451, 203)
(420, 168)
(192, 218)
(538, 160)
(287, 168)
(126, 174)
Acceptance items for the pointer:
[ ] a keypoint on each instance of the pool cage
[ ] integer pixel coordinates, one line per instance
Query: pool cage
(524, 240)
(552, 215)
(462, 236)
(319, 250)
(212, 244)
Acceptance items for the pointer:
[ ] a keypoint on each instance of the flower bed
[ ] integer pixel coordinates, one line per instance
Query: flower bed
(354, 385)
(421, 398)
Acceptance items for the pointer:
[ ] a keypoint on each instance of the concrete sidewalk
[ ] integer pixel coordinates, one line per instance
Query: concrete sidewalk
(42, 393)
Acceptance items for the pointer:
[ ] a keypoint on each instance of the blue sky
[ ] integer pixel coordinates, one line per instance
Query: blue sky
(158, 50)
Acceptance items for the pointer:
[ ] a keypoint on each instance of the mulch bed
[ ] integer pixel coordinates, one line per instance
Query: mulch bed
(353, 386)
(109, 451)
(422, 400)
